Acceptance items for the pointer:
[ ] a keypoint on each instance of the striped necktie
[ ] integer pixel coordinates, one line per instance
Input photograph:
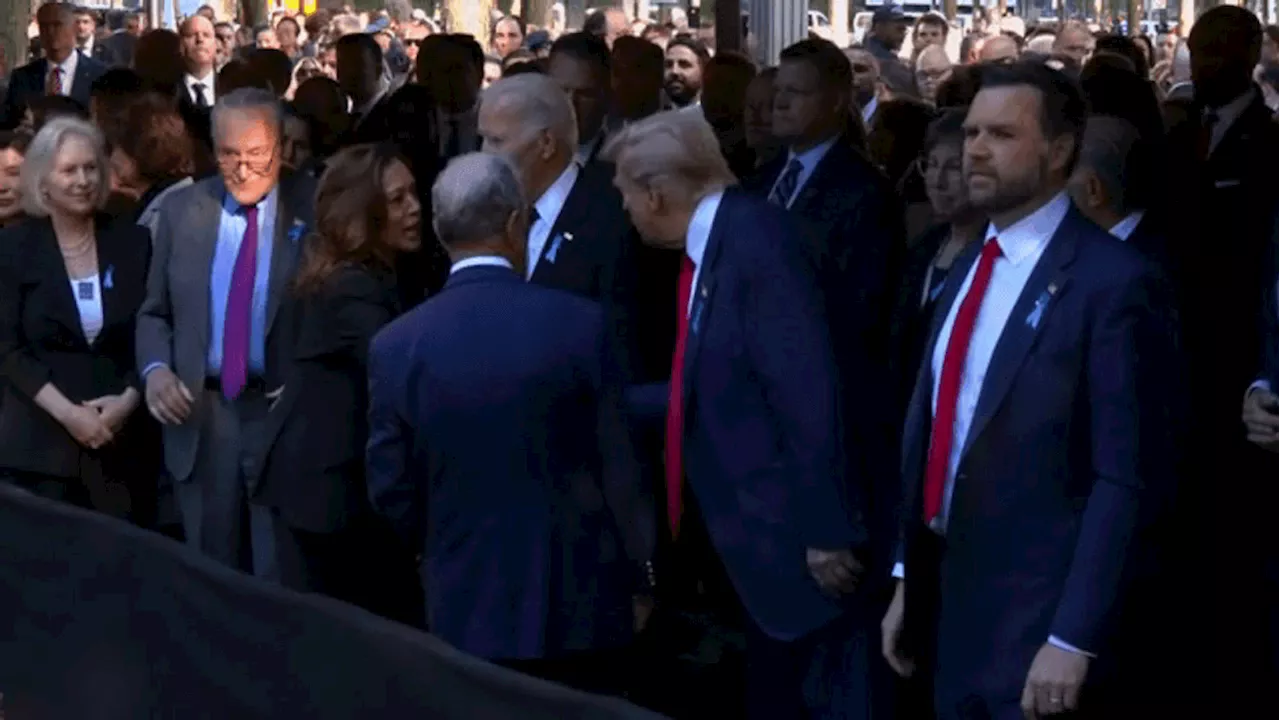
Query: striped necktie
(786, 185)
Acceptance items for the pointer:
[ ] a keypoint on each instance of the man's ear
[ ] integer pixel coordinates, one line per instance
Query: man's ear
(1061, 150)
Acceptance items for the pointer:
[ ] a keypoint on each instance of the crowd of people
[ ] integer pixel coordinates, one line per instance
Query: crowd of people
(635, 366)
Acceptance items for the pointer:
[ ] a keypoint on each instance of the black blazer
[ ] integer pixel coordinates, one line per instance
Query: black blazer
(41, 340)
(28, 81)
(599, 256)
(314, 469)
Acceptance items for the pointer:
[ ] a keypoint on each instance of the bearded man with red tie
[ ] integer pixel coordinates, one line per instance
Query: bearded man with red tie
(224, 253)
(762, 542)
(1040, 440)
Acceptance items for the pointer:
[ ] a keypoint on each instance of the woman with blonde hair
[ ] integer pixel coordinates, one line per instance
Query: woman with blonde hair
(70, 287)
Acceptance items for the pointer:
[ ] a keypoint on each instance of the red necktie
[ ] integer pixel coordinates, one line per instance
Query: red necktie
(675, 400)
(944, 417)
(54, 86)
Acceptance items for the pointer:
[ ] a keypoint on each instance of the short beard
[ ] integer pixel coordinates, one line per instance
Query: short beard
(1014, 193)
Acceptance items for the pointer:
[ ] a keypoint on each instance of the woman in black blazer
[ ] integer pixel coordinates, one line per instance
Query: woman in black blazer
(367, 212)
(70, 287)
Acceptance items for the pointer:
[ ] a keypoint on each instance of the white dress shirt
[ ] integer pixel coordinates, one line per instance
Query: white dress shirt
(88, 294)
(68, 67)
(189, 81)
(1228, 114)
(481, 261)
(869, 111)
(548, 207)
(809, 160)
(1125, 227)
(1022, 244)
(698, 235)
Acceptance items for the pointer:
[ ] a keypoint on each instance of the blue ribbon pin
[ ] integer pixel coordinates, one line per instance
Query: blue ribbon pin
(555, 245)
(108, 278)
(1033, 319)
(296, 232)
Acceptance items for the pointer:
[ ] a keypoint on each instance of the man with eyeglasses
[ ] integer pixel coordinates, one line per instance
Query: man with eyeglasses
(224, 253)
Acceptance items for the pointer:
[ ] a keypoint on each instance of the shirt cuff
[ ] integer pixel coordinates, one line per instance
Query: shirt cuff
(147, 370)
(1057, 642)
(900, 571)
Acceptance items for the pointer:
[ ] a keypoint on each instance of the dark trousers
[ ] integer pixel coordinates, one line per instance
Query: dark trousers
(602, 672)
(703, 656)
(362, 563)
(92, 490)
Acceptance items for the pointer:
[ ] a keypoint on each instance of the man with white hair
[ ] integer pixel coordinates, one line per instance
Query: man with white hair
(496, 449)
(759, 516)
(1112, 183)
(579, 238)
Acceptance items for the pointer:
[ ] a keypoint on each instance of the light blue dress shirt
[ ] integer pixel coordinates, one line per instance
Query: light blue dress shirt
(231, 229)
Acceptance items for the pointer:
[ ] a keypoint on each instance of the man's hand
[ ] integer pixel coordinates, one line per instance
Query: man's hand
(891, 634)
(642, 608)
(168, 400)
(115, 409)
(1054, 682)
(837, 572)
(1262, 426)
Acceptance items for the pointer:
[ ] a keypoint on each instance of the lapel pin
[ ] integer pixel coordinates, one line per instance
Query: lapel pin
(567, 236)
(295, 232)
(1033, 319)
(554, 248)
(108, 278)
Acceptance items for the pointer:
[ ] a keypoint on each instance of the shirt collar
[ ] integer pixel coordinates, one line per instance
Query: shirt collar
(68, 65)
(1027, 237)
(265, 205)
(588, 149)
(811, 157)
(207, 80)
(554, 197)
(1125, 227)
(869, 111)
(698, 235)
(481, 261)
(1232, 111)
(87, 47)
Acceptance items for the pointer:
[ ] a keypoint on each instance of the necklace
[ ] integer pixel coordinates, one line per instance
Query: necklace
(78, 249)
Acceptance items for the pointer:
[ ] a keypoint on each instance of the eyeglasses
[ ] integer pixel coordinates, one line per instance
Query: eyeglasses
(412, 42)
(257, 161)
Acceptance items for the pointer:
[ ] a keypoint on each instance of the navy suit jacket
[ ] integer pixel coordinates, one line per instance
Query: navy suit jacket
(496, 448)
(762, 441)
(854, 236)
(1071, 449)
(28, 82)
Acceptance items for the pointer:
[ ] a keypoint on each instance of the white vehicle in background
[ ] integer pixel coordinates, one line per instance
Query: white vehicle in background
(820, 25)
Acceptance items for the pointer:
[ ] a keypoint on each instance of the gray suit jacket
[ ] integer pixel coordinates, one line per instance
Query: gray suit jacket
(173, 322)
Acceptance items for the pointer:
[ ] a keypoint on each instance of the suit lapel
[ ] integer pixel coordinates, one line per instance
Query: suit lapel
(702, 295)
(206, 213)
(282, 250)
(108, 258)
(64, 309)
(575, 213)
(1047, 284)
(81, 82)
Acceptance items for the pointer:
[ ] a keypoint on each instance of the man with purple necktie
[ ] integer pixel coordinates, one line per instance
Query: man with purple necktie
(225, 250)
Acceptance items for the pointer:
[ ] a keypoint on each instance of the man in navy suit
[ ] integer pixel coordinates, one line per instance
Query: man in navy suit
(63, 70)
(760, 531)
(1040, 439)
(496, 449)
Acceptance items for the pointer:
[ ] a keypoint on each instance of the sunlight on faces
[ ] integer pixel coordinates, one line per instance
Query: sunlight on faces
(198, 43)
(404, 212)
(1007, 158)
(944, 180)
(73, 182)
(504, 132)
(248, 153)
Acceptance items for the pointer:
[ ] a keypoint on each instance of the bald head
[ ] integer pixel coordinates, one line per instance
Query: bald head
(1040, 45)
(999, 49)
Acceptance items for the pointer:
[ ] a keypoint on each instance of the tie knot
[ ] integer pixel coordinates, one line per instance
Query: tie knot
(534, 215)
(991, 249)
(250, 212)
(795, 166)
(198, 87)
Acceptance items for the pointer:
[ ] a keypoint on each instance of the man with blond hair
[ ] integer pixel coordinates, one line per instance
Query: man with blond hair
(760, 534)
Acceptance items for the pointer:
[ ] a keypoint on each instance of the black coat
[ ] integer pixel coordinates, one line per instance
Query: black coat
(41, 341)
(28, 82)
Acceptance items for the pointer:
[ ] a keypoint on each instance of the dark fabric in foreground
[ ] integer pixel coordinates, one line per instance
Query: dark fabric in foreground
(106, 621)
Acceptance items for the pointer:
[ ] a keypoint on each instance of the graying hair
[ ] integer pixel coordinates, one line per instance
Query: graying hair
(1107, 149)
(42, 154)
(250, 99)
(540, 103)
(474, 198)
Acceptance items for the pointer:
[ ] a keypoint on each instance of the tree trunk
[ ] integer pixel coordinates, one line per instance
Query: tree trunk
(470, 17)
(14, 15)
(949, 9)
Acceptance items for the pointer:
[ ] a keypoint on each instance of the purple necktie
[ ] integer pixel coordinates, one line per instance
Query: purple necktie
(238, 318)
